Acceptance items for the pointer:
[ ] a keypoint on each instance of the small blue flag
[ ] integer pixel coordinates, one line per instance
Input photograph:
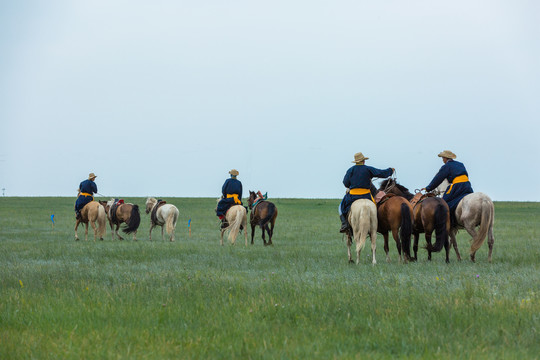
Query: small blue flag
(52, 218)
(189, 223)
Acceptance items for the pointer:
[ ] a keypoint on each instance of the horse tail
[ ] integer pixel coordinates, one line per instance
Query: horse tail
(406, 229)
(235, 225)
(171, 220)
(269, 216)
(441, 233)
(134, 220)
(101, 219)
(486, 222)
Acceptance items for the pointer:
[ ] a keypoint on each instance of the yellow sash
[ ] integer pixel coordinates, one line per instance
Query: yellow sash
(235, 196)
(360, 191)
(86, 194)
(457, 180)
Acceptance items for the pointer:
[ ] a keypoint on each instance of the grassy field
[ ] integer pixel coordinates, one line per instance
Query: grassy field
(300, 298)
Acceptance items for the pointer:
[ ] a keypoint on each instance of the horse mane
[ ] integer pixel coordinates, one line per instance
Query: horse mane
(388, 182)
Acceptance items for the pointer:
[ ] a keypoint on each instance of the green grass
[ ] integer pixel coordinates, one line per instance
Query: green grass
(297, 299)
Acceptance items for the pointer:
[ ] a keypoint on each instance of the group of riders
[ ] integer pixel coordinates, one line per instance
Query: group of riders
(357, 180)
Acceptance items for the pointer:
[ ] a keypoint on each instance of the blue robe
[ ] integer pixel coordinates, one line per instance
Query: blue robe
(230, 187)
(89, 187)
(359, 176)
(450, 171)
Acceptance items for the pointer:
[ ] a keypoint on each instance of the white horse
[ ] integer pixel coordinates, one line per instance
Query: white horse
(236, 216)
(363, 221)
(166, 214)
(474, 210)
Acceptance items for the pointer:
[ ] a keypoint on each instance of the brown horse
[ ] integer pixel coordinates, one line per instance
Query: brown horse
(90, 213)
(263, 213)
(394, 213)
(430, 214)
(122, 213)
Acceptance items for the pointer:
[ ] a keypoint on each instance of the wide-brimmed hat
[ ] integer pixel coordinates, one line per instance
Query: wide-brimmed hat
(359, 157)
(234, 172)
(447, 154)
(92, 176)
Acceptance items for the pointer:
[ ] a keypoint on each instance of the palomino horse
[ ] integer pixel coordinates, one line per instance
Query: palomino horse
(430, 214)
(162, 214)
(394, 213)
(262, 213)
(363, 221)
(90, 213)
(122, 213)
(236, 217)
(474, 210)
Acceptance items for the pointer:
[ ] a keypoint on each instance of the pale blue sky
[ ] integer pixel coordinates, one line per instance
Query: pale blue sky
(163, 98)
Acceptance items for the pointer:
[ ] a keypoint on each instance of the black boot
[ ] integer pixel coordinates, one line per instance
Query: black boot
(224, 223)
(344, 224)
(78, 215)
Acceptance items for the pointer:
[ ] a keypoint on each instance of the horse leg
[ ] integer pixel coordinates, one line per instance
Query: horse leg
(162, 236)
(244, 223)
(252, 232)
(472, 231)
(86, 232)
(386, 249)
(349, 243)
(415, 245)
(151, 227)
(447, 249)
(395, 235)
(76, 226)
(454, 243)
(94, 228)
(116, 231)
(373, 237)
(221, 241)
(263, 237)
(269, 234)
(135, 236)
(428, 241)
(491, 241)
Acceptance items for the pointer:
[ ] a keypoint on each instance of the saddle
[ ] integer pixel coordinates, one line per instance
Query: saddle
(260, 198)
(419, 197)
(112, 210)
(153, 216)
(383, 199)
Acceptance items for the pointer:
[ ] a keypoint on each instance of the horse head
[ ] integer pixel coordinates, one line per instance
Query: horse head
(150, 203)
(392, 187)
(251, 199)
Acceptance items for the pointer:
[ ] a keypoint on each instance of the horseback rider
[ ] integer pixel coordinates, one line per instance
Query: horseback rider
(456, 174)
(231, 195)
(87, 189)
(357, 180)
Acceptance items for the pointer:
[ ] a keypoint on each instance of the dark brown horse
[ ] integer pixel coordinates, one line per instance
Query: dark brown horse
(430, 214)
(394, 213)
(122, 213)
(264, 214)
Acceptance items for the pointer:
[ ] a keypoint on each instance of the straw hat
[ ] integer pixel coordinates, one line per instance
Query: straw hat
(92, 176)
(234, 172)
(447, 154)
(359, 157)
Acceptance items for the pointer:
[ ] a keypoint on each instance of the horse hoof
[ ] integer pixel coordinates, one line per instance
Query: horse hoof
(351, 261)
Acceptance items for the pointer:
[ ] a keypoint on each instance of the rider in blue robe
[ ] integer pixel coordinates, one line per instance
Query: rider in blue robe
(358, 181)
(457, 176)
(87, 189)
(231, 195)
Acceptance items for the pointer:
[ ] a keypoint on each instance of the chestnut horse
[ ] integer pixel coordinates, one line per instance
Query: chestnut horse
(394, 213)
(90, 213)
(122, 213)
(263, 213)
(430, 214)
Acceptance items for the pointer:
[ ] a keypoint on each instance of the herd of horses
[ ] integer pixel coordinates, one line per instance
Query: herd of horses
(96, 213)
(405, 215)
(396, 210)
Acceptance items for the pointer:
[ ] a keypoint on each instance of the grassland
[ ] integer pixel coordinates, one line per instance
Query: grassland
(300, 298)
